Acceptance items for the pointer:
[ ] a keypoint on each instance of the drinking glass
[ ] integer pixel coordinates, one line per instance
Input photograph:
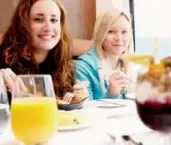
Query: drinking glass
(153, 101)
(4, 106)
(33, 109)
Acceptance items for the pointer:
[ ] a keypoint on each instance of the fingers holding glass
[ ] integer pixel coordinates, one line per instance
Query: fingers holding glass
(9, 77)
(118, 81)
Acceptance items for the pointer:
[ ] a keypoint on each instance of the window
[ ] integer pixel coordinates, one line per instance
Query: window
(152, 19)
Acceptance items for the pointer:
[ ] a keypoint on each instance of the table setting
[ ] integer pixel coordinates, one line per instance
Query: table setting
(100, 124)
(95, 122)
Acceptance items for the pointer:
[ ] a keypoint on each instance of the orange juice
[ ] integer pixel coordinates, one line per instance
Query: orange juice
(34, 119)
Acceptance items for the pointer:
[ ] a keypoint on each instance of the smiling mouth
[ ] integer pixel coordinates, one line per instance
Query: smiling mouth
(46, 37)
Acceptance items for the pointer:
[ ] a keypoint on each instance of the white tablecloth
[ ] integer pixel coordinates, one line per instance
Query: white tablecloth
(116, 121)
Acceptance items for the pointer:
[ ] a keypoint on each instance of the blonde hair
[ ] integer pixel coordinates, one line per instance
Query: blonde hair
(102, 26)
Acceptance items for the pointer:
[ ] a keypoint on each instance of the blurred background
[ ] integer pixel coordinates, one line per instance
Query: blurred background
(150, 19)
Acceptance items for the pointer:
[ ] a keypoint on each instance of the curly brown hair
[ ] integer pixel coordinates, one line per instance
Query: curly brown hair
(17, 52)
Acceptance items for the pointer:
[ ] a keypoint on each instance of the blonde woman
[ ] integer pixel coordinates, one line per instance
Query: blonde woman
(102, 66)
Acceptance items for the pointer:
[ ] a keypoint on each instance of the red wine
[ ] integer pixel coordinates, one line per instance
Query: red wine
(155, 115)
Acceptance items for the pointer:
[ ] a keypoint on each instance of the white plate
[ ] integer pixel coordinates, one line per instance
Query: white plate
(74, 127)
(105, 105)
(85, 123)
(113, 103)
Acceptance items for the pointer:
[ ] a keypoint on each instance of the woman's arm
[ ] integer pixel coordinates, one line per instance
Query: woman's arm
(82, 75)
(84, 72)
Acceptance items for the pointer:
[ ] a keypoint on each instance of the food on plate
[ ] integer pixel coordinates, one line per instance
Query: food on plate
(79, 96)
(59, 101)
(68, 118)
(72, 98)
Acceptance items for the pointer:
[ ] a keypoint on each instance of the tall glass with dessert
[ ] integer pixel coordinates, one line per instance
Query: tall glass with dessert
(153, 94)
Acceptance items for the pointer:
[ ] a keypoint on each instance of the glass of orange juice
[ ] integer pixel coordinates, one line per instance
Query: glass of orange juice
(33, 109)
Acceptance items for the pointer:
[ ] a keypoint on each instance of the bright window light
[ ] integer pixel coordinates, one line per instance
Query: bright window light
(152, 19)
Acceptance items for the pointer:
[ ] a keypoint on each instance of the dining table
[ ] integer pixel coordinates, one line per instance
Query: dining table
(105, 123)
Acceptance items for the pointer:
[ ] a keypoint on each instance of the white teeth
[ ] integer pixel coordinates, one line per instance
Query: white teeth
(46, 37)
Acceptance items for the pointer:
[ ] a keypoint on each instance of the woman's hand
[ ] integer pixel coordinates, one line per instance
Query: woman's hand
(80, 85)
(9, 77)
(79, 91)
(117, 81)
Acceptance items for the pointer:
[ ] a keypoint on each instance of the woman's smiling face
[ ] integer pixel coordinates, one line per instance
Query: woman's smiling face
(118, 36)
(45, 29)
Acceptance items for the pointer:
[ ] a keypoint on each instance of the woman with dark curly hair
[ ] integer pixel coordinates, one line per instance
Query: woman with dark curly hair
(37, 42)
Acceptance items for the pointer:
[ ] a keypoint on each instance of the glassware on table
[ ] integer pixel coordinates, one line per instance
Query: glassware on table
(4, 106)
(33, 109)
(153, 98)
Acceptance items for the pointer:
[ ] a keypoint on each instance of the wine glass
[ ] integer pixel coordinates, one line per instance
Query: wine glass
(33, 109)
(4, 106)
(153, 101)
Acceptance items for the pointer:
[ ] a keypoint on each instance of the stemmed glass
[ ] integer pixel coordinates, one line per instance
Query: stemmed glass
(33, 109)
(4, 106)
(153, 101)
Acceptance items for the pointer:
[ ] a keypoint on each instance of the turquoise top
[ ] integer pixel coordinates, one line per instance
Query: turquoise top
(89, 67)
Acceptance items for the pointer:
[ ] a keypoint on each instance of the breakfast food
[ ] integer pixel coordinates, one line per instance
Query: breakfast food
(155, 82)
(79, 96)
(72, 98)
(68, 118)
(59, 101)
(153, 92)
(138, 59)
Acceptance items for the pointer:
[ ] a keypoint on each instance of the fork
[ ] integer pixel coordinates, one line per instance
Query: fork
(113, 138)
(128, 138)
(68, 96)
(116, 139)
(123, 140)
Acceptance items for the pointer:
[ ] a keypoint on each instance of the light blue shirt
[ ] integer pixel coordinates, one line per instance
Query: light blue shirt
(89, 67)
